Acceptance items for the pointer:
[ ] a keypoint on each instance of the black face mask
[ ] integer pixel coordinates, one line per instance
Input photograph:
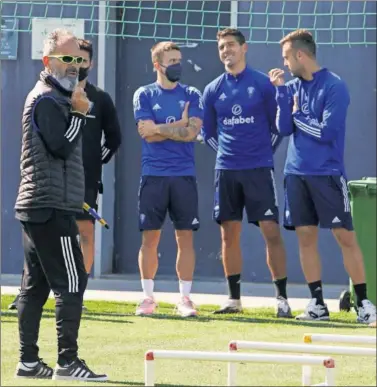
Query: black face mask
(83, 73)
(173, 72)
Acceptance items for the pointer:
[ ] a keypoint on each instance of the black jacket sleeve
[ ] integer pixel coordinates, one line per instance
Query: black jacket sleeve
(59, 134)
(111, 128)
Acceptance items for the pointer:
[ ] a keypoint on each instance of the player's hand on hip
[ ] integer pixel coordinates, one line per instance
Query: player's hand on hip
(185, 116)
(276, 77)
(295, 104)
(79, 100)
(147, 128)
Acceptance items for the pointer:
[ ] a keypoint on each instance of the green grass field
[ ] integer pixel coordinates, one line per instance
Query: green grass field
(113, 340)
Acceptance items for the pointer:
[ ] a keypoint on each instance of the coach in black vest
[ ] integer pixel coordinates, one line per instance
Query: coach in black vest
(50, 194)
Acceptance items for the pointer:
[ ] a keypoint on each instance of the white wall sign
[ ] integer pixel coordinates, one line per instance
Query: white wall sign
(41, 27)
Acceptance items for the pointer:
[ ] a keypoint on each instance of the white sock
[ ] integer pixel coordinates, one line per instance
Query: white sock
(147, 285)
(185, 288)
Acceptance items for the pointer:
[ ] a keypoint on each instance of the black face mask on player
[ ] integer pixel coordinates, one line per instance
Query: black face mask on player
(83, 73)
(173, 72)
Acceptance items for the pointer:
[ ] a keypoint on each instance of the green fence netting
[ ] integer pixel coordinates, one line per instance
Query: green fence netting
(332, 22)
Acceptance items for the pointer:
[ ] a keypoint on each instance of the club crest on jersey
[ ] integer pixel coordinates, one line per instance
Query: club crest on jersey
(250, 91)
(182, 104)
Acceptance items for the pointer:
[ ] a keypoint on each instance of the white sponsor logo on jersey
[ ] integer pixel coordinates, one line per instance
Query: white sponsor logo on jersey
(237, 117)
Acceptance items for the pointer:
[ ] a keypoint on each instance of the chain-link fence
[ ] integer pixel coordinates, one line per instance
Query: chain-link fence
(332, 22)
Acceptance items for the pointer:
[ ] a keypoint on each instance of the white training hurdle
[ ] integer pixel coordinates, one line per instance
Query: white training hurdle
(235, 345)
(302, 348)
(310, 338)
(326, 338)
(230, 358)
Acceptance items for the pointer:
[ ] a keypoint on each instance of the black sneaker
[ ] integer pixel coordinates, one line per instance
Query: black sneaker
(283, 310)
(14, 304)
(231, 306)
(39, 371)
(77, 370)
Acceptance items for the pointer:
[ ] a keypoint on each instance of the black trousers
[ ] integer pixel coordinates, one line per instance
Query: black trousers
(53, 261)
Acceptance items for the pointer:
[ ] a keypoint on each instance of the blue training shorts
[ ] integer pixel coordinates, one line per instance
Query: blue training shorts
(251, 189)
(313, 200)
(177, 195)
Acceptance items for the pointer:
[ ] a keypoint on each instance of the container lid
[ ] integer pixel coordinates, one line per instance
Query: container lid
(366, 185)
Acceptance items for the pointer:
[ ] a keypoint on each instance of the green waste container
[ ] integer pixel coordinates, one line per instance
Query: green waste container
(363, 208)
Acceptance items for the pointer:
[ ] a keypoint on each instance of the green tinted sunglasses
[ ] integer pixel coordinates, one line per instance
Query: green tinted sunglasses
(68, 59)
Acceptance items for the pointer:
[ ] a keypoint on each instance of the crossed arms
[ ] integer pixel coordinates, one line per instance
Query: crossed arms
(184, 130)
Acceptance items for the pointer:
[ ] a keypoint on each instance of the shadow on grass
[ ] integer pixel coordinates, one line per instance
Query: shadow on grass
(337, 323)
(124, 383)
(128, 383)
(50, 314)
(88, 314)
(205, 317)
(85, 317)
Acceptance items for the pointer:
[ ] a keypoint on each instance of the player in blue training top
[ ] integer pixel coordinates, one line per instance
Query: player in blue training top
(169, 117)
(239, 124)
(312, 110)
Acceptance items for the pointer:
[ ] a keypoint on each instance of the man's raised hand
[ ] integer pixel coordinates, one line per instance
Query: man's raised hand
(276, 77)
(79, 100)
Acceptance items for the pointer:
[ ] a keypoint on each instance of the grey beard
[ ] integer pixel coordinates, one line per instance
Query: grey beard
(66, 83)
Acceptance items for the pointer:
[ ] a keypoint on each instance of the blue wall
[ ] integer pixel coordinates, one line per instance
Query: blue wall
(125, 73)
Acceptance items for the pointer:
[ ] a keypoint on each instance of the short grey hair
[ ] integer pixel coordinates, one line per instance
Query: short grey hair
(54, 38)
